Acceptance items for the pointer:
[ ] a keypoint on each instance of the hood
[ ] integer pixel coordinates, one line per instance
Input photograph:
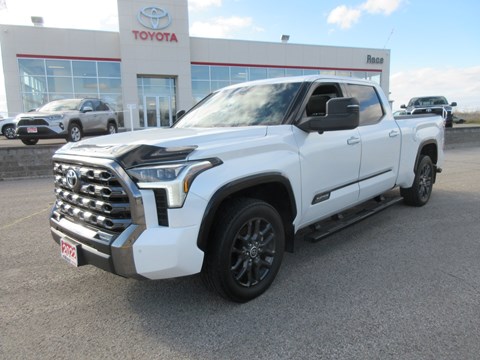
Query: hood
(144, 146)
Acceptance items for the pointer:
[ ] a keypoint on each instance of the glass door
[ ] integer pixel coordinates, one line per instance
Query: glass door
(157, 111)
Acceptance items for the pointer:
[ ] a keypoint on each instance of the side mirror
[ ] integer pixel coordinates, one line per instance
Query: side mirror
(87, 109)
(342, 114)
(453, 104)
(403, 106)
(180, 114)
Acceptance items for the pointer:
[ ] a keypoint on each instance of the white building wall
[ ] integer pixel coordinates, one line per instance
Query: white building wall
(30, 40)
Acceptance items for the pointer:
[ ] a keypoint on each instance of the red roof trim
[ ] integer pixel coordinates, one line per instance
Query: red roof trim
(65, 57)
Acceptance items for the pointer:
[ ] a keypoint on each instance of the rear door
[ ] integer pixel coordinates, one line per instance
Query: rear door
(381, 141)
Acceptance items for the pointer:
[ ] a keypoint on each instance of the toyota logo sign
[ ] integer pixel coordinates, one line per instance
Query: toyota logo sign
(154, 18)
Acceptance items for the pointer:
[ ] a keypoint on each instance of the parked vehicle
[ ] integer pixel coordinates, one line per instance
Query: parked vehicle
(458, 120)
(230, 186)
(70, 119)
(431, 104)
(7, 127)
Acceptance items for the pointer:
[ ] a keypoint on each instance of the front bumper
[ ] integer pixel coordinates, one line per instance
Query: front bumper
(43, 132)
(156, 253)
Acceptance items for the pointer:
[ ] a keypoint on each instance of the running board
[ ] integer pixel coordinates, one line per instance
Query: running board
(338, 222)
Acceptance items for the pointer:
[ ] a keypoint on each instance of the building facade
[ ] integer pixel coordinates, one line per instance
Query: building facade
(152, 68)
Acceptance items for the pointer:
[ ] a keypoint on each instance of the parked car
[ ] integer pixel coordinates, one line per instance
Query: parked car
(7, 127)
(70, 119)
(457, 120)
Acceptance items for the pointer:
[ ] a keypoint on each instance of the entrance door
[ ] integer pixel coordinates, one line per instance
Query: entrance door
(157, 111)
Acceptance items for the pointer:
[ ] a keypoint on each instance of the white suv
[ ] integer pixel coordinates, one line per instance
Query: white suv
(70, 119)
(7, 127)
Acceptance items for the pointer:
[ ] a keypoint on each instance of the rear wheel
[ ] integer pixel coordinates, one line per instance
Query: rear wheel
(9, 131)
(419, 193)
(246, 251)
(74, 132)
(29, 141)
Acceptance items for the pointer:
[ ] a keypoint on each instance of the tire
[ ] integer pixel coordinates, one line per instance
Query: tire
(112, 128)
(419, 193)
(29, 141)
(246, 250)
(9, 131)
(74, 132)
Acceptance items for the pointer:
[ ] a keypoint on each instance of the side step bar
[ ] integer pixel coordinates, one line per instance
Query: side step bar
(338, 222)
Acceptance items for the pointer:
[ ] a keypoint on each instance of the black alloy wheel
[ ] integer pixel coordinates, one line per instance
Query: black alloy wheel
(247, 249)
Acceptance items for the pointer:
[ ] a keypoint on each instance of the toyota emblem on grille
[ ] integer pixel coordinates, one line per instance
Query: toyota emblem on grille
(72, 179)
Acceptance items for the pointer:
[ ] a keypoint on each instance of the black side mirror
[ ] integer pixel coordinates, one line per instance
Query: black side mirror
(180, 114)
(342, 114)
(403, 106)
(453, 104)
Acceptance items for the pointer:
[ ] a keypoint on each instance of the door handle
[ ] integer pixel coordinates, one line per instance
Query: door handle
(353, 140)
(393, 133)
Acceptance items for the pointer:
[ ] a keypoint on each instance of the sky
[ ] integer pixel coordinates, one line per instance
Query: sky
(435, 45)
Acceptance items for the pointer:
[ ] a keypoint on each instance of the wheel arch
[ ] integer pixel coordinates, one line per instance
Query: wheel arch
(429, 148)
(75, 121)
(273, 188)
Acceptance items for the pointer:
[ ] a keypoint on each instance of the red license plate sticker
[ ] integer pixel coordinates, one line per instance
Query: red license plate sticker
(69, 251)
(32, 130)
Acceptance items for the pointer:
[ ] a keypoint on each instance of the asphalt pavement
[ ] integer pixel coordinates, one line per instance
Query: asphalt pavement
(403, 284)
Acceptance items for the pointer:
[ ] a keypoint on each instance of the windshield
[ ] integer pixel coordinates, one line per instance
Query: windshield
(243, 106)
(428, 101)
(61, 105)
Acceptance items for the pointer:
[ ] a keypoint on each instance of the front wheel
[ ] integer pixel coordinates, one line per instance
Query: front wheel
(419, 193)
(112, 128)
(246, 250)
(74, 132)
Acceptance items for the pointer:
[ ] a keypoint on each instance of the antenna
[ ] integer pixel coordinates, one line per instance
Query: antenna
(388, 39)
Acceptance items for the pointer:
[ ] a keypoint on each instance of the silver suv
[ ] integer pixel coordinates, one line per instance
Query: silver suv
(70, 119)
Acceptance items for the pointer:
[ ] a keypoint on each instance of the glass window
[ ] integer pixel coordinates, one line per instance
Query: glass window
(58, 68)
(257, 73)
(200, 72)
(201, 87)
(31, 66)
(33, 101)
(215, 85)
(220, 73)
(342, 73)
(371, 110)
(327, 72)
(84, 68)
(33, 84)
(275, 73)
(110, 85)
(60, 84)
(359, 74)
(85, 85)
(109, 69)
(238, 74)
(311, 72)
(293, 72)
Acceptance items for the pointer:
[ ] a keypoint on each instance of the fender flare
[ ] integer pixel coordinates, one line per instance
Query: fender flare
(237, 186)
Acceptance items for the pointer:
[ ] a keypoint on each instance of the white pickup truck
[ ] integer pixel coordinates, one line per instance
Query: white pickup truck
(225, 191)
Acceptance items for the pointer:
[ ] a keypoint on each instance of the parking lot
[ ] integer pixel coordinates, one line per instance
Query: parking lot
(404, 284)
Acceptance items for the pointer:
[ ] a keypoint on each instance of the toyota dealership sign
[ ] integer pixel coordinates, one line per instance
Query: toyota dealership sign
(156, 20)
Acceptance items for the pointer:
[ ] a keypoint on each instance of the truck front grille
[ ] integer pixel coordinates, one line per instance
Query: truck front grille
(91, 196)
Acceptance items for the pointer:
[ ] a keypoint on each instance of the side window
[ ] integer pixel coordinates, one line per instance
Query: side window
(87, 104)
(317, 104)
(371, 110)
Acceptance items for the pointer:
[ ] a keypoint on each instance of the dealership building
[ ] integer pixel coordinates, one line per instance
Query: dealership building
(151, 68)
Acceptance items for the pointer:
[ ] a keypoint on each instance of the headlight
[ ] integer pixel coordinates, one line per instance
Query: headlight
(55, 117)
(175, 178)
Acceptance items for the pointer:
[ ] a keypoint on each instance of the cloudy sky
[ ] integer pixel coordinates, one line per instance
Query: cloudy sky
(435, 45)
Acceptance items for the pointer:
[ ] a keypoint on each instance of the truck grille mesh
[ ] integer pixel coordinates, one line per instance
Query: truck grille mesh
(91, 196)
